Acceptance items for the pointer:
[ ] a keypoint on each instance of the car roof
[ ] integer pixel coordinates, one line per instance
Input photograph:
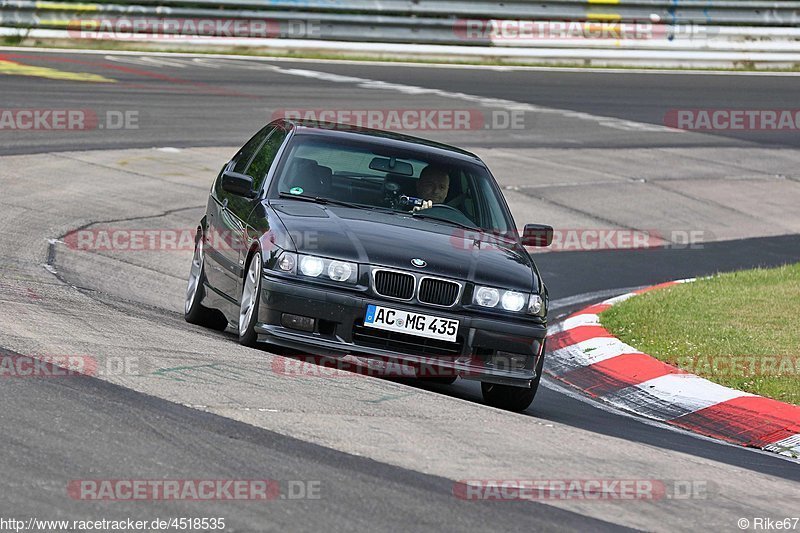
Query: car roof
(385, 138)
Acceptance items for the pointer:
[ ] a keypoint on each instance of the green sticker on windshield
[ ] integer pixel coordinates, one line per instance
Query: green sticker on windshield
(296, 190)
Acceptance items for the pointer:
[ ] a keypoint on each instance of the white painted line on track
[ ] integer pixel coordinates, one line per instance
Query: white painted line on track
(414, 90)
(690, 391)
(585, 319)
(499, 68)
(592, 351)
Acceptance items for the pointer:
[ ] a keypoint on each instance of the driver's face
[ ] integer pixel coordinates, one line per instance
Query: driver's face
(433, 187)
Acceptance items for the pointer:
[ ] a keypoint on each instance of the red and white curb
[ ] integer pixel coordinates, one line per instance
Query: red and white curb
(585, 355)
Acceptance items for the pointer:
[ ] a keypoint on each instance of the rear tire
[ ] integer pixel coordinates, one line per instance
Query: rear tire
(193, 311)
(248, 304)
(512, 398)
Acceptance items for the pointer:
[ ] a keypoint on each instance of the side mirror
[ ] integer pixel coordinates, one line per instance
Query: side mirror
(238, 184)
(537, 235)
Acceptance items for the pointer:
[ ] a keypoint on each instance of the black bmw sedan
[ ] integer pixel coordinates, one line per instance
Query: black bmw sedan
(339, 241)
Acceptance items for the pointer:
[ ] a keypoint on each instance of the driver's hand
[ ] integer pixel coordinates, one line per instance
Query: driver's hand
(426, 204)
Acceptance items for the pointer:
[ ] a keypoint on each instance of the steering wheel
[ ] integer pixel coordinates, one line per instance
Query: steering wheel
(450, 213)
(446, 207)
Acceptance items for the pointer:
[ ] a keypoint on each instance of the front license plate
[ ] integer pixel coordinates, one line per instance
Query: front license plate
(432, 327)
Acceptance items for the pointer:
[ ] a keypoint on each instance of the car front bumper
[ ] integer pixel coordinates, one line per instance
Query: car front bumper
(488, 349)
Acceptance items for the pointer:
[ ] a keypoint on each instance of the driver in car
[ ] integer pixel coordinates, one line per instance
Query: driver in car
(433, 186)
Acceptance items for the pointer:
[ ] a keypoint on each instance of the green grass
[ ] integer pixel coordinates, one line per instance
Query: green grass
(741, 329)
(12, 40)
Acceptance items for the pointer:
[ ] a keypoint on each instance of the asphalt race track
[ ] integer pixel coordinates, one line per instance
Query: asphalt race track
(384, 453)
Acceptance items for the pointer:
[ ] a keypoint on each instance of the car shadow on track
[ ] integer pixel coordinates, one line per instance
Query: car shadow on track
(553, 405)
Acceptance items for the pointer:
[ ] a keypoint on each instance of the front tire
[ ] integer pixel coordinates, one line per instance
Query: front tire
(193, 311)
(248, 306)
(512, 398)
(507, 397)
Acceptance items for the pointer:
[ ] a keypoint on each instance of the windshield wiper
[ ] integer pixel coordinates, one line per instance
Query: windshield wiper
(321, 200)
(325, 201)
(417, 214)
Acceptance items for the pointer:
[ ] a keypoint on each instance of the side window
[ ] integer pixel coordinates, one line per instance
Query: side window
(242, 158)
(490, 208)
(468, 202)
(249, 149)
(262, 162)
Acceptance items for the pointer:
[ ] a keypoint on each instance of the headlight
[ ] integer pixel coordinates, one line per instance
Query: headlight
(340, 271)
(311, 266)
(513, 301)
(486, 297)
(317, 267)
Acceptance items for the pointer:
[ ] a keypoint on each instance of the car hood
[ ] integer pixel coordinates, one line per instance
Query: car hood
(393, 240)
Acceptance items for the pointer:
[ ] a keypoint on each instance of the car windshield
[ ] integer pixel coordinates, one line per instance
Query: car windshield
(368, 175)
